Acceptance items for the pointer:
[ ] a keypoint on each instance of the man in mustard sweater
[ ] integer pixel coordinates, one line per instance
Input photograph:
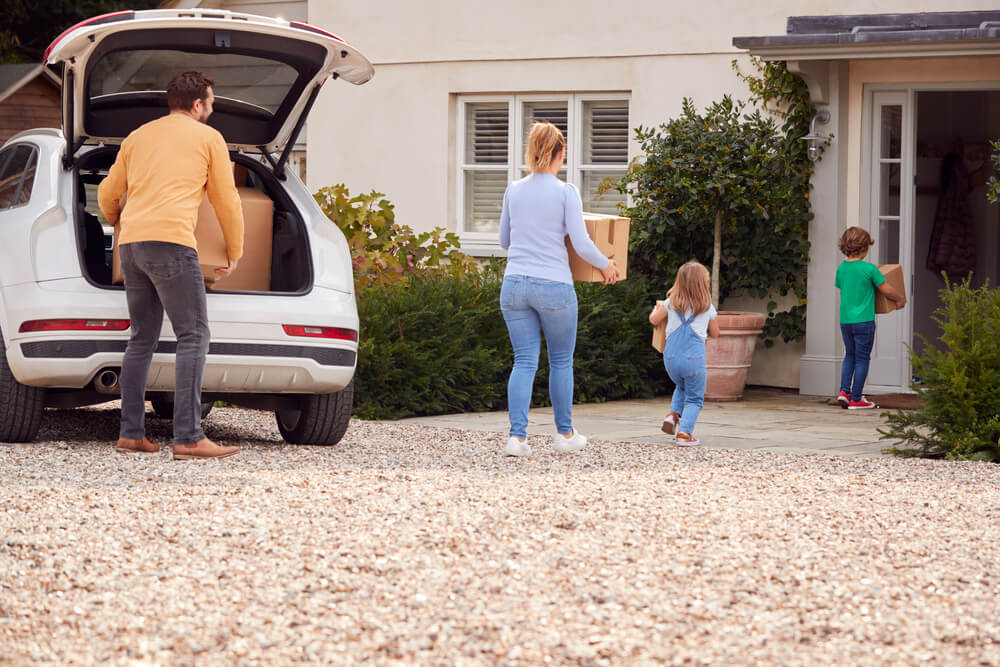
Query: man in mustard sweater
(167, 166)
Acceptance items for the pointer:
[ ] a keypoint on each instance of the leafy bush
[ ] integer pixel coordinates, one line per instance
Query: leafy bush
(440, 345)
(993, 184)
(385, 252)
(960, 417)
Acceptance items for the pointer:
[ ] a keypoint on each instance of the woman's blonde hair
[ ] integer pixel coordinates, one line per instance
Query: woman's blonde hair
(544, 144)
(692, 289)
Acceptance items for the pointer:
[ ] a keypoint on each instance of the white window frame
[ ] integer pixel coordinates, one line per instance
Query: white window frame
(488, 242)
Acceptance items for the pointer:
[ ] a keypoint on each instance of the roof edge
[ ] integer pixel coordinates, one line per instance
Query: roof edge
(34, 72)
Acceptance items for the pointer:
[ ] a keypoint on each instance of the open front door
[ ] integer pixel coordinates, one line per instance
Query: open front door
(890, 216)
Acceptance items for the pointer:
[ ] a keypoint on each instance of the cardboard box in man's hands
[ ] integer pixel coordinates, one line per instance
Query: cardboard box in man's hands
(253, 273)
(610, 234)
(894, 278)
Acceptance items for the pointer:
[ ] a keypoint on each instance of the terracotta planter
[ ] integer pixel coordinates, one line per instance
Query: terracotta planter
(728, 356)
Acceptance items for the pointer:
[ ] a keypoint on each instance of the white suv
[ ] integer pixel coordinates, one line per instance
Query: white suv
(291, 346)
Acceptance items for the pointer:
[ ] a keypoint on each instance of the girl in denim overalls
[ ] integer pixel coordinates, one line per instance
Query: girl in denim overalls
(690, 319)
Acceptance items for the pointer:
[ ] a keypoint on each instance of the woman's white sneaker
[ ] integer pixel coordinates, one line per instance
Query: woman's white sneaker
(516, 447)
(687, 440)
(571, 444)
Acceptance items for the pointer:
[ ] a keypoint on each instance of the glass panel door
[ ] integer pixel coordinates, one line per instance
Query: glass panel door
(891, 226)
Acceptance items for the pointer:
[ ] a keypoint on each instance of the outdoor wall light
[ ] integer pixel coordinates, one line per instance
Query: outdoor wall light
(814, 138)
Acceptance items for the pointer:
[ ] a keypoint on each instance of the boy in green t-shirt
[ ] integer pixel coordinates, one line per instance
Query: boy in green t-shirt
(858, 280)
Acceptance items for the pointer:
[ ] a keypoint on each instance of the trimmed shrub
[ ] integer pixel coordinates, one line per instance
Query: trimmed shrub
(440, 345)
(960, 417)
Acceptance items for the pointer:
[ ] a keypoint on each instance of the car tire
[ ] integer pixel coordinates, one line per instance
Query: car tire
(165, 409)
(321, 419)
(21, 406)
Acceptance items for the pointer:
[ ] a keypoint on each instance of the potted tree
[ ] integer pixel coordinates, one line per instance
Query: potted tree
(730, 185)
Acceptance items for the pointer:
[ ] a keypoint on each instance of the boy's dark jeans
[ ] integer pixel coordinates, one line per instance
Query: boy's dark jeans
(164, 276)
(858, 341)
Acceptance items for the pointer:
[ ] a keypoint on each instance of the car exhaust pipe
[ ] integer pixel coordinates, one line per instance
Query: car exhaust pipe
(106, 382)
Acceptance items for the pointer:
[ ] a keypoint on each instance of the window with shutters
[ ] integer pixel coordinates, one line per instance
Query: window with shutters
(493, 138)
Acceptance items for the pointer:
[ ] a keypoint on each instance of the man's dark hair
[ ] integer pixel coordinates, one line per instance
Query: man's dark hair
(185, 88)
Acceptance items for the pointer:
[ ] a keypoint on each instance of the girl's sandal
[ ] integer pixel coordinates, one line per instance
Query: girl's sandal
(670, 423)
(686, 440)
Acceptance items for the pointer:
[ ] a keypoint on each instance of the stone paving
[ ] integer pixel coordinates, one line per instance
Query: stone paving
(765, 419)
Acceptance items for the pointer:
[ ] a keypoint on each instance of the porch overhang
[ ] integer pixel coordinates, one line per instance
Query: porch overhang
(923, 35)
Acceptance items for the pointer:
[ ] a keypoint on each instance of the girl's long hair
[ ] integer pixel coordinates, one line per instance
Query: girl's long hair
(691, 290)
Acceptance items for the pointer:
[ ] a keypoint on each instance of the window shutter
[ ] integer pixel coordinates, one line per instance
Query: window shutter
(605, 152)
(486, 131)
(487, 153)
(544, 112)
(605, 132)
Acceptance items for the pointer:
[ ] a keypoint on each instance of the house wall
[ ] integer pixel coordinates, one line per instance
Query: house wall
(293, 10)
(397, 132)
(36, 104)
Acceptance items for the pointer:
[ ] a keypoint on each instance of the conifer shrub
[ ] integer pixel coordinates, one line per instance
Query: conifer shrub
(960, 375)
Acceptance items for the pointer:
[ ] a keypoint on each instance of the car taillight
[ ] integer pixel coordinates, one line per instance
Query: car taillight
(73, 325)
(320, 332)
(97, 20)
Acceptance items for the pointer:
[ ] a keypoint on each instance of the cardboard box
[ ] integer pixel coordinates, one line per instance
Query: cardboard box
(894, 278)
(610, 234)
(253, 273)
(660, 334)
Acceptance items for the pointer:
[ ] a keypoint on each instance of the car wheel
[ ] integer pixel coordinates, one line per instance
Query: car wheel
(20, 405)
(164, 409)
(321, 419)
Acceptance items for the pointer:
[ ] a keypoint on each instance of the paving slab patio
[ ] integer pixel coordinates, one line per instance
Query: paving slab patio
(765, 419)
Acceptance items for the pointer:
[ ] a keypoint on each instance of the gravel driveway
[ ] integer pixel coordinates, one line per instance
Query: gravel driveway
(422, 545)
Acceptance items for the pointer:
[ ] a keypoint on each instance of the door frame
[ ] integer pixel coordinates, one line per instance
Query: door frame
(909, 91)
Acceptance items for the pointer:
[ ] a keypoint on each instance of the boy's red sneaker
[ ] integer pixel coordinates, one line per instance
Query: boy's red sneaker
(863, 404)
(844, 399)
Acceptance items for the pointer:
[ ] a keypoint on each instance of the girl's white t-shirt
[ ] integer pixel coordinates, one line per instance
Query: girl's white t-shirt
(699, 324)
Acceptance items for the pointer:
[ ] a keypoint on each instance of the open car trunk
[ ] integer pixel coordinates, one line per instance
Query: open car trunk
(277, 256)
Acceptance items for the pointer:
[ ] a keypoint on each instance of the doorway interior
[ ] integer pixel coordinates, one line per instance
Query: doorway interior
(956, 229)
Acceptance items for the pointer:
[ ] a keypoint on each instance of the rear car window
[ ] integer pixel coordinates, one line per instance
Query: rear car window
(17, 175)
(252, 82)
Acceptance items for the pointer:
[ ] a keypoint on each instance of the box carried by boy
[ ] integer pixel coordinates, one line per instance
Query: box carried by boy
(894, 277)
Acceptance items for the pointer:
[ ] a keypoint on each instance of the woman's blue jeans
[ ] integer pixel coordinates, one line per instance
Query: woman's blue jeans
(858, 341)
(531, 306)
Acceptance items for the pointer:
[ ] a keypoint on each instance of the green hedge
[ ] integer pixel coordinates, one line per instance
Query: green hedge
(439, 345)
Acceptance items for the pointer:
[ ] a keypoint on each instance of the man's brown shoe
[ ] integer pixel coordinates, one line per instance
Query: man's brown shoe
(203, 449)
(140, 446)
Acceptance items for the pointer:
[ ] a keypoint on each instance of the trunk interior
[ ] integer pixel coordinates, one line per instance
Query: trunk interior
(276, 248)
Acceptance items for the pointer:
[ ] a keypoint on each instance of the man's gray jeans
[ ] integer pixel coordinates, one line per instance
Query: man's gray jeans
(162, 277)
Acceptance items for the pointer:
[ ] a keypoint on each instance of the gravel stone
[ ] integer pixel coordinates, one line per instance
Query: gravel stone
(418, 545)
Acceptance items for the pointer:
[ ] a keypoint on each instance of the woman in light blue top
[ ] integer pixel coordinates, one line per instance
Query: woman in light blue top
(537, 295)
